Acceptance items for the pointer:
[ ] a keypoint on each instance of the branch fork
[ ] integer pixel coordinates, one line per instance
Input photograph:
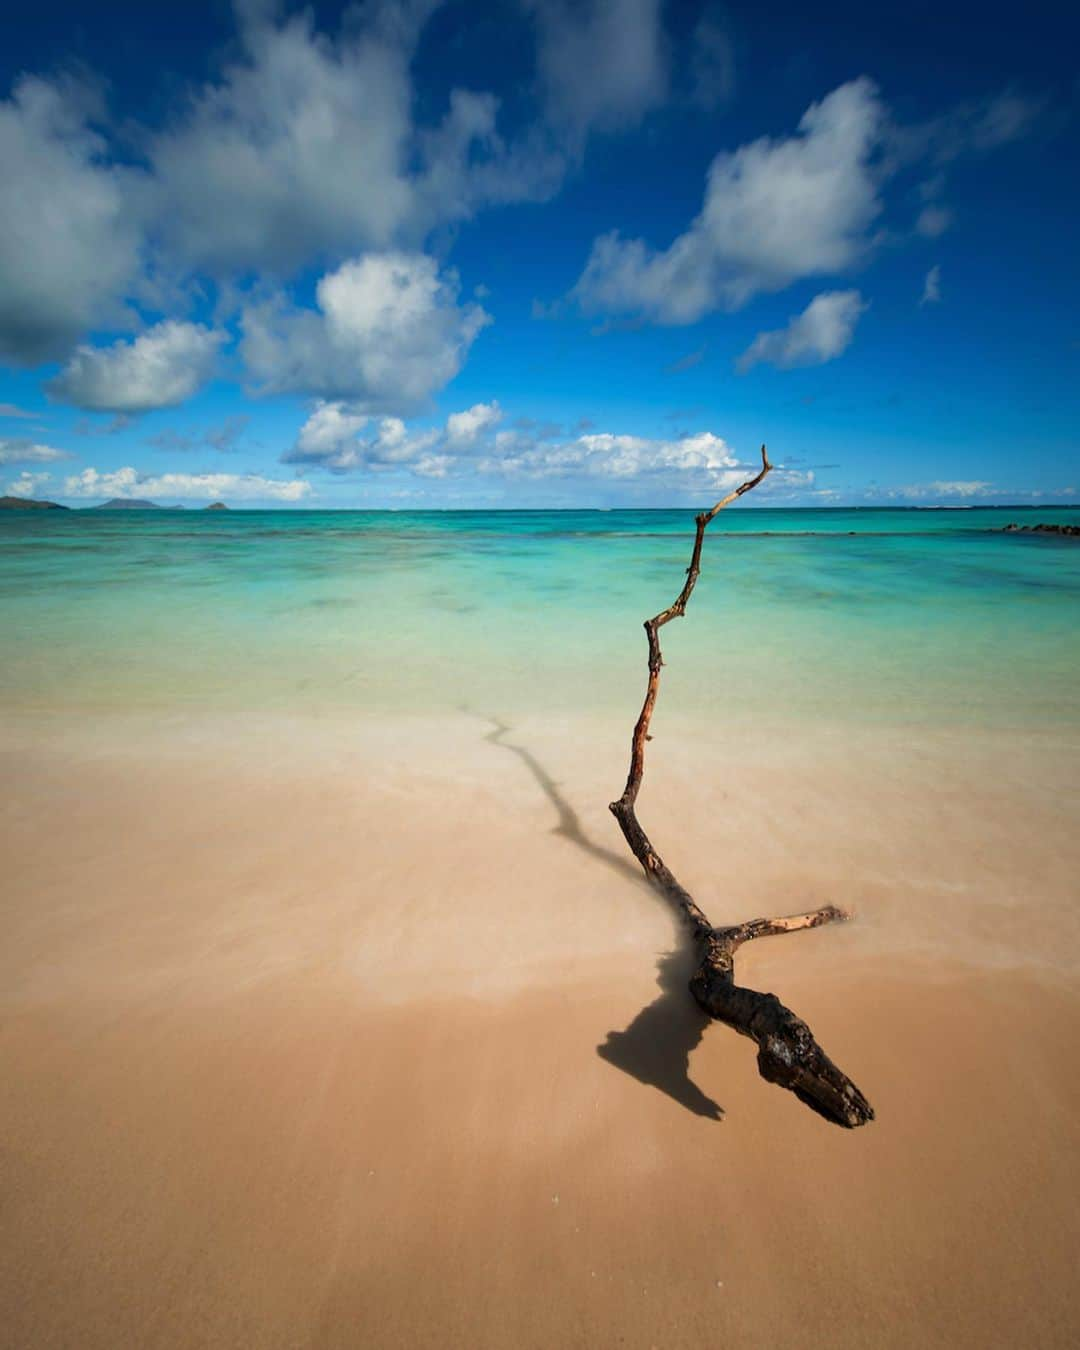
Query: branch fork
(788, 1054)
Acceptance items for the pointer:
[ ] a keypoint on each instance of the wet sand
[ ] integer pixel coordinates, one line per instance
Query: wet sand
(343, 1033)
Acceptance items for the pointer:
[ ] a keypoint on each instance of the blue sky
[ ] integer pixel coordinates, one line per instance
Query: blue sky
(536, 253)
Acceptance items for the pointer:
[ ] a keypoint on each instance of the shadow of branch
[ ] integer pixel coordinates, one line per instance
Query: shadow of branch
(656, 1047)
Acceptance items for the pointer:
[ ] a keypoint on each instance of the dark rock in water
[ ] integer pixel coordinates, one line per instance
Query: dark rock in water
(1043, 529)
(29, 504)
(127, 504)
(216, 506)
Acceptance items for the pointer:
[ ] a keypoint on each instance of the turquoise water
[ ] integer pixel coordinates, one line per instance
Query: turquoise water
(897, 615)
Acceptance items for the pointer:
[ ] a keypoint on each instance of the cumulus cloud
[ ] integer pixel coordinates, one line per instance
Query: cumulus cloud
(779, 210)
(338, 437)
(464, 427)
(472, 445)
(931, 292)
(159, 369)
(702, 462)
(306, 149)
(387, 332)
(20, 451)
(643, 466)
(129, 482)
(329, 429)
(822, 332)
(433, 466)
(704, 456)
(310, 148)
(774, 211)
(27, 484)
(69, 237)
(297, 149)
(602, 63)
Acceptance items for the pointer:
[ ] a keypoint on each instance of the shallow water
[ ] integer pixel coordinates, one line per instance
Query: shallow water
(898, 615)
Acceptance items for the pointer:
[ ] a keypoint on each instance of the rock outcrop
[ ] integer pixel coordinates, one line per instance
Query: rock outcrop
(1043, 529)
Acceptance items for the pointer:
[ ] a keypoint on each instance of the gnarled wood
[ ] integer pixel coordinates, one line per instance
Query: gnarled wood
(787, 1052)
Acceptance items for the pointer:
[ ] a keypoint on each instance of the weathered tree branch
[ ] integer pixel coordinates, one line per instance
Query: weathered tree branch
(787, 1052)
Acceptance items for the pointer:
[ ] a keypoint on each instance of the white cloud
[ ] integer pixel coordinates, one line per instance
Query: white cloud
(464, 427)
(774, 211)
(329, 429)
(332, 439)
(602, 63)
(931, 294)
(306, 149)
(942, 488)
(309, 147)
(638, 466)
(466, 164)
(159, 369)
(433, 466)
(340, 439)
(388, 333)
(69, 238)
(298, 149)
(18, 451)
(704, 457)
(820, 333)
(27, 484)
(128, 482)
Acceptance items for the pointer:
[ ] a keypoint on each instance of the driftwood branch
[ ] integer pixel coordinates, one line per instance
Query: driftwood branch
(787, 1052)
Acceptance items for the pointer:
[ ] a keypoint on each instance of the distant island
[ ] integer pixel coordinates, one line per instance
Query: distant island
(216, 506)
(29, 504)
(127, 504)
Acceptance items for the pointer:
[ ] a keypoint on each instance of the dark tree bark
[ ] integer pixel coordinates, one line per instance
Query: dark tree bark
(787, 1052)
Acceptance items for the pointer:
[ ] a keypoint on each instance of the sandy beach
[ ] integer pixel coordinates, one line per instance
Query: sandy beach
(357, 1032)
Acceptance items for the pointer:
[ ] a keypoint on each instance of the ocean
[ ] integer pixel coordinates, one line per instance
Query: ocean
(902, 616)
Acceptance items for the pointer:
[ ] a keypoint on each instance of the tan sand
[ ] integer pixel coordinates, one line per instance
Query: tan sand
(300, 1029)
